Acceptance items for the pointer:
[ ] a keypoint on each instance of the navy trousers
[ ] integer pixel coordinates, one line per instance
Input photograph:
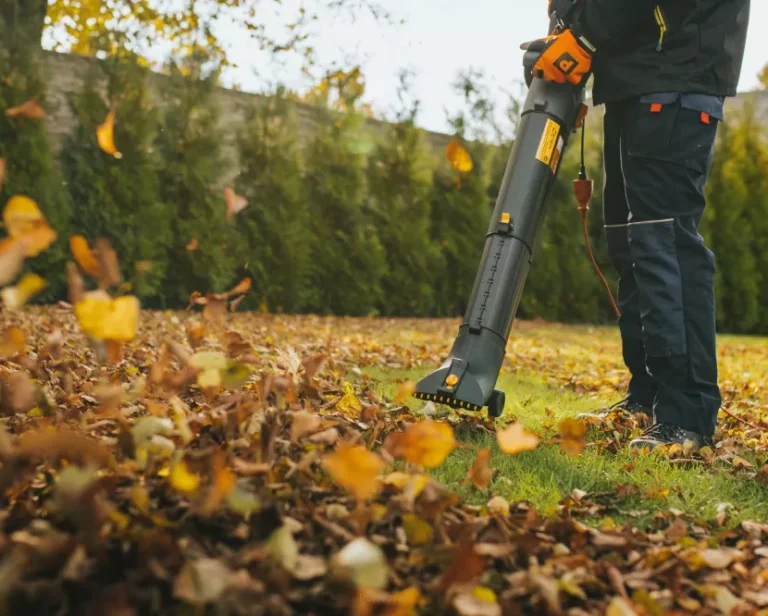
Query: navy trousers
(657, 159)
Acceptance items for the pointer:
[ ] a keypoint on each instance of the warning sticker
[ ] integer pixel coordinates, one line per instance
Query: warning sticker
(548, 144)
(557, 154)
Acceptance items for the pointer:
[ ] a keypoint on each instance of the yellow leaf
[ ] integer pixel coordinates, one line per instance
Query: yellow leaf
(355, 469)
(405, 391)
(182, 480)
(458, 156)
(12, 342)
(29, 285)
(620, 607)
(349, 404)
(516, 439)
(31, 110)
(104, 318)
(140, 498)
(24, 221)
(105, 135)
(84, 256)
(572, 433)
(417, 530)
(210, 377)
(209, 360)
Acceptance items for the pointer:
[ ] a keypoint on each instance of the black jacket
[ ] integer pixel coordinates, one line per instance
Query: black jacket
(648, 46)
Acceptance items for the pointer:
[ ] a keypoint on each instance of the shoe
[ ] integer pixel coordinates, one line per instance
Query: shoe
(661, 434)
(624, 406)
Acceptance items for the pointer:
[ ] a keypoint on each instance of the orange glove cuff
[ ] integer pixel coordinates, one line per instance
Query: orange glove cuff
(564, 60)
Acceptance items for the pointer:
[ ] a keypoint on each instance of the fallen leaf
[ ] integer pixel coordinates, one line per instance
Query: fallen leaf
(182, 480)
(304, 423)
(362, 563)
(479, 601)
(202, 581)
(498, 505)
(466, 565)
(84, 256)
(309, 568)
(516, 439)
(458, 157)
(349, 404)
(283, 549)
(417, 530)
(31, 110)
(234, 202)
(105, 135)
(619, 606)
(355, 469)
(12, 342)
(19, 393)
(18, 295)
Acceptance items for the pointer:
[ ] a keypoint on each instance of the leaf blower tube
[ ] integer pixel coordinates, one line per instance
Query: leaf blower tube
(467, 379)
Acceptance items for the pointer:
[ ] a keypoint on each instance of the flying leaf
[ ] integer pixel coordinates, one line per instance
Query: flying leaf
(458, 157)
(104, 318)
(480, 473)
(242, 287)
(282, 547)
(516, 439)
(572, 433)
(31, 110)
(355, 469)
(427, 443)
(24, 220)
(84, 256)
(417, 531)
(405, 391)
(193, 244)
(182, 480)
(235, 203)
(12, 342)
(3, 172)
(17, 296)
(105, 135)
(11, 259)
(202, 581)
(109, 267)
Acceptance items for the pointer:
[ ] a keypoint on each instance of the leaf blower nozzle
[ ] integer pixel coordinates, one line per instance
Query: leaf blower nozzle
(467, 379)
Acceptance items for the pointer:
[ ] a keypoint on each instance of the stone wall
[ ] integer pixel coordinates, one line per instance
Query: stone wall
(67, 72)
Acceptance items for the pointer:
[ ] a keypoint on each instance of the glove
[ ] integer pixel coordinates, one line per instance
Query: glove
(560, 58)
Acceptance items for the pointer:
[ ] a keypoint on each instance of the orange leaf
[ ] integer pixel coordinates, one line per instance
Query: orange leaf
(404, 391)
(466, 565)
(427, 443)
(516, 439)
(11, 259)
(572, 433)
(356, 470)
(84, 255)
(3, 172)
(31, 109)
(25, 221)
(235, 203)
(193, 245)
(458, 156)
(105, 135)
(242, 287)
(480, 473)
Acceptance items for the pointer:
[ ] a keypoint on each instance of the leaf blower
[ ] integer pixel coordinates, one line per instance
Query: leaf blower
(552, 112)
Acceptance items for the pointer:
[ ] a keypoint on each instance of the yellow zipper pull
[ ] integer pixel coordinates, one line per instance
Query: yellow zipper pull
(662, 27)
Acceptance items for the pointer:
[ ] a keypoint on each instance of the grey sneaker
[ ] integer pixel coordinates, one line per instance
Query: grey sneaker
(624, 406)
(660, 434)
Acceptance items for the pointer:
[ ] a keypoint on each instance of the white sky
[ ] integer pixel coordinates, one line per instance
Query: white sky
(437, 39)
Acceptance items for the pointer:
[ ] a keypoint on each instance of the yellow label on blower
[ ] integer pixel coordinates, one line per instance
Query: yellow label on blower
(548, 143)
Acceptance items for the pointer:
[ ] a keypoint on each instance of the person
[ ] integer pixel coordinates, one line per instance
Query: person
(662, 70)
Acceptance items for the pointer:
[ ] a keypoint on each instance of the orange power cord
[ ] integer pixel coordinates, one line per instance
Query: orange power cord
(583, 189)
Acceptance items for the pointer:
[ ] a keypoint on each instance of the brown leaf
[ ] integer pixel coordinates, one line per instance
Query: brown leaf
(31, 110)
(480, 473)
(3, 172)
(466, 565)
(62, 444)
(75, 284)
(572, 432)
(19, 393)
(234, 202)
(109, 268)
(11, 259)
(304, 423)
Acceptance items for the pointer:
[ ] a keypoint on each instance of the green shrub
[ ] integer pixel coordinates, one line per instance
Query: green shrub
(275, 225)
(120, 198)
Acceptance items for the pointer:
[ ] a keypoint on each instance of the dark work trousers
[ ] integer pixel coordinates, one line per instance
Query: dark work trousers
(656, 165)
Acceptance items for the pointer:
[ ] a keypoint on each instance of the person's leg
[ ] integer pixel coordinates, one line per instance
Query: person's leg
(666, 158)
(642, 388)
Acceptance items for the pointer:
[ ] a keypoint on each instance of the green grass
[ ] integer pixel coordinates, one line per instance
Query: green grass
(545, 476)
